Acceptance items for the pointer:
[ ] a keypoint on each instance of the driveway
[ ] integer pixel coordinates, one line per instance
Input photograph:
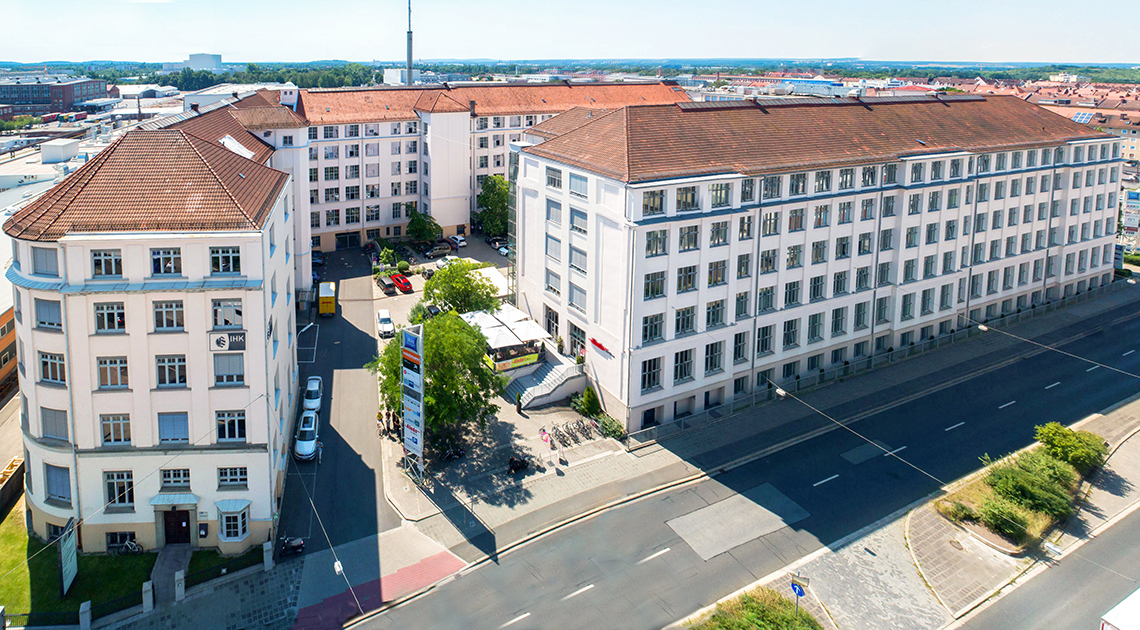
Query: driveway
(346, 489)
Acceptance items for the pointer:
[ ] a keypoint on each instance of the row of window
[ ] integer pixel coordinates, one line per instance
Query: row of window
(169, 315)
(371, 191)
(173, 428)
(352, 171)
(400, 209)
(167, 261)
(499, 122)
(371, 130)
(229, 370)
(372, 149)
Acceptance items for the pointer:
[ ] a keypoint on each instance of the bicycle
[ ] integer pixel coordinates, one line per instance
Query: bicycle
(129, 547)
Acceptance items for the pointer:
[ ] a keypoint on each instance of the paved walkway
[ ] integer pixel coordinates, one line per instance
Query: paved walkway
(171, 559)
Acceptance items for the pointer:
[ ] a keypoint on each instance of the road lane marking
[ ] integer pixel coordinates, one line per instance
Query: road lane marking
(1053, 385)
(515, 620)
(1092, 368)
(894, 451)
(954, 427)
(578, 592)
(1007, 404)
(820, 483)
(659, 553)
(1127, 353)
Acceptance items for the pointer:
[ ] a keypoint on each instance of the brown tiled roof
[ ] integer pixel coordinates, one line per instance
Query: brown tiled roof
(159, 181)
(346, 105)
(213, 123)
(567, 121)
(269, 117)
(644, 143)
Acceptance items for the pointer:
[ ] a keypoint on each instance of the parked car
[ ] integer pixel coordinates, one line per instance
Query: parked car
(433, 310)
(314, 391)
(316, 278)
(427, 272)
(385, 283)
(318, 258)
(308, 429)
(437, 250)
(445, 261)
(402, 282)
(503, 251)
(384, 325)
(458, 240)
(496, 242)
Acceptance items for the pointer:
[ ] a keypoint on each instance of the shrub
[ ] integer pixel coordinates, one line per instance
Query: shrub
(1044, 466)
(611, 428)
(1004, 518)
(1084, 450)
(1028, 491)
(387, 256)
(403, 266)
(590, 404)
(958, 512)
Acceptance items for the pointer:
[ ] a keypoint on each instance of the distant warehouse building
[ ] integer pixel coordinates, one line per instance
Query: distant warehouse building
(697, 252)
(45, 95)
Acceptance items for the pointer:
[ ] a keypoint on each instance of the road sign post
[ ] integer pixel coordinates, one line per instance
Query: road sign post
(799, 582)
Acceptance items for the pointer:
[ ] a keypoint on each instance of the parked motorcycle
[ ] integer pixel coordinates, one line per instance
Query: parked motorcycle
(516, 465)
(453, 453)
(292, 546)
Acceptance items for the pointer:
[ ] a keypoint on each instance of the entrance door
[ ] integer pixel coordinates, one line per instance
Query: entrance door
(344, 240)
(177, 527)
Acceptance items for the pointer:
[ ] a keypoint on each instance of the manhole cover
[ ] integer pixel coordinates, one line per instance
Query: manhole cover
(957, 545)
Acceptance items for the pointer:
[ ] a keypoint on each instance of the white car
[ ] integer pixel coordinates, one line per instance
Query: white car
(314, 392)
(458, 240)
(445, 261)
(503, 251)
(308, 429)
(384, 325)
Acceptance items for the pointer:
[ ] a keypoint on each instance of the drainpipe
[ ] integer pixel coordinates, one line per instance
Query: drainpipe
(628, 384)
(875, 272)
(973, 205)
(758, 191)
(1049, 236)
(70, 388)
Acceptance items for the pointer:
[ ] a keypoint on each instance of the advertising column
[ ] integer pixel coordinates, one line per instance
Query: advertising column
(411, 347)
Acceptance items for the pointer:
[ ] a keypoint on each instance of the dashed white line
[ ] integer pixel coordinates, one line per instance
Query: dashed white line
(1053, 385)
(1007, 404)
(515, 620)
(1127, 353)
(659, 553)
(951, 428)
(1092, 368)
(820, 483)
(894, 451)
(578, 592)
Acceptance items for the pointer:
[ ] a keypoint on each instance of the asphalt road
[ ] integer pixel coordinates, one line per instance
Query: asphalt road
(1077, 590)
(347, 486)
(614, 571)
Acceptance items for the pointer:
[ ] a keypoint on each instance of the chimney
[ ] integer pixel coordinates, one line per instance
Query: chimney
(235, 95)
(193, 107)
(471, 106)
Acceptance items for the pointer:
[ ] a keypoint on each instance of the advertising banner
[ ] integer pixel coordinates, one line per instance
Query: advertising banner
(411, 346)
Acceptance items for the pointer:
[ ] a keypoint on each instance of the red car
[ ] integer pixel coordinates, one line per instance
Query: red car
(402, 283)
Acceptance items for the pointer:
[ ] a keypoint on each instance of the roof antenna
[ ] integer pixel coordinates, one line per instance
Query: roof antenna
(409, 79)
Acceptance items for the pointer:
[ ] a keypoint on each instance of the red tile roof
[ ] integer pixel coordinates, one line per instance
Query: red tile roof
(644, 143)
(567, 121)
(159, 181)
(218, 120)
(268, 117)
(347, 105)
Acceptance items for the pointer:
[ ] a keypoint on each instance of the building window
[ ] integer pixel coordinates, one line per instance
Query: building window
(717, 274)
(168, 316)
(112, 372)
(53, 423)
(653, 202)
(231, 425)
(765, 299)
(714, 357)
(233, 476)
(816, 289)
(718, 234)
(229, 369)
(116, 429)
(44, 262)
(683, 321)
(652, 328)
(846, 178)
(57, 483)
(687, 199)
(48, 315)
(792, 293)
(173, 428)
(748, 190)
(815, 327)
(682, 365)
(578, 221)
(772, 187)
(686, 279)
(721, 195)
(315, 219)
(52, 368)
(654, 285)
(235, 525)
(822, 181)
(175, 478)
(578, 185)
(744, 266)
(106, 263)
(577, 259)
(553, 282)
(795, 256)
(166, 262)
(795, 219)
(352, 215)
(791, 333)
(227, 314)
(577, 298)
(650, 374)
(656, 243)
(742, 305)
(120, 488)
(689, 238)
(819, 252)
(225, 260)
(770, 224)
(797, 184)
(553, 177)
(171, 370)
(714, 313)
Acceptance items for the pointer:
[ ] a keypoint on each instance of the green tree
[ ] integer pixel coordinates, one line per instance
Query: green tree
(457, 287)
(422, 227)
(492, 204)
(458, 386)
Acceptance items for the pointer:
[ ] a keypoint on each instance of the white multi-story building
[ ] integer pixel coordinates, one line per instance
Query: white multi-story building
(697, 251)
(155, 319)
(376, 152)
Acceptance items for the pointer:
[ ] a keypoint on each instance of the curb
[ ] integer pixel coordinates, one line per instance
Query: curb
(918, 565)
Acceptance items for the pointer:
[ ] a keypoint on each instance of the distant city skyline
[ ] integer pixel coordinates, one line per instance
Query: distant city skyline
(355, 30)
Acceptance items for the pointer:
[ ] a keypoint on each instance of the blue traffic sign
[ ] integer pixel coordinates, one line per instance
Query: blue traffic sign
(797, 589)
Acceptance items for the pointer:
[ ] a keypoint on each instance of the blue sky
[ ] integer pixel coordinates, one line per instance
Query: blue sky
(359, 30)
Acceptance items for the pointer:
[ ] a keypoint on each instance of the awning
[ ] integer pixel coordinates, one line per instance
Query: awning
(509, 314)
(529, 330)
(231, 505)
(500, 337)
(167, 498)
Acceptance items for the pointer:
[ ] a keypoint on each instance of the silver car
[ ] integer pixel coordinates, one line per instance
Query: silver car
(314, 393)
(308, 430)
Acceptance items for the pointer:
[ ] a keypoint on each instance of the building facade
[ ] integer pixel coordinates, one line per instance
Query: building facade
(155, 345)
(36, 97)
(697, 252)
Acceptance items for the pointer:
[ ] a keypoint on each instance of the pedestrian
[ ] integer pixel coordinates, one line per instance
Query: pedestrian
(320, 448)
